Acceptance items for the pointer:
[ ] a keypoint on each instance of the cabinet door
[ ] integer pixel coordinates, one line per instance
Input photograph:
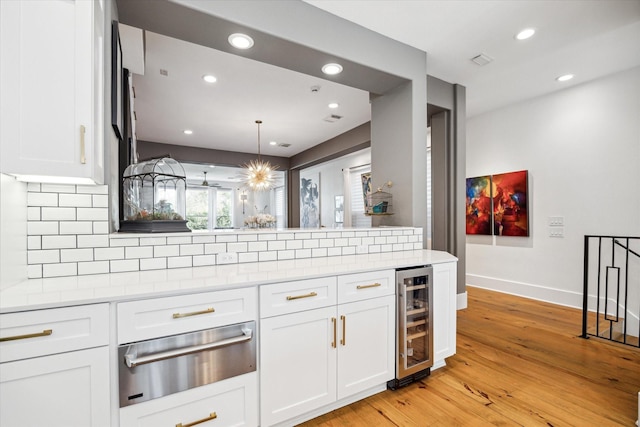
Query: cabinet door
(69, 389)
(366, 346)
(232, 402)
(444, 312)
(297, 363)
(50, 96)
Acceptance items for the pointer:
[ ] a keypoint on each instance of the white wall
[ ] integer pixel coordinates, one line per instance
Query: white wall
(582, 149)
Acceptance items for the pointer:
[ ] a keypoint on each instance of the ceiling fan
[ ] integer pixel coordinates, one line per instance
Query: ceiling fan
(205, 183)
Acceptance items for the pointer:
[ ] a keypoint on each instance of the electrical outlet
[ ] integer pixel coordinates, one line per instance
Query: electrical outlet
(556, 221)
(556, 231)
(228, 258)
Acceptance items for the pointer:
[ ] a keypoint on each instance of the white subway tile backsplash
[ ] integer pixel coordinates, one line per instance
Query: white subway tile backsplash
(215, 248)
(319, 252)
(51, 256)
(33, 187)
(397, 233)
(166, 251)
(398, 247)
(248, 257)
(101, 254)
(386, 248)
(334, 251)
(42, 199)
(34, 243)
(407, 232)
(319, 235)
(268, 256)
(93, 241)
(237, 247)
(374, 233)
(362, 249)
(355, 241)
(247, 237)
(179, 262)
(204, 260)
(302, 236)
(100, 227)
(119, 266)
(380, 240)
(75, 200)
(153, 264)
(368, 240)
(34, 271)
(197, 249)
(93, 267)
(292, 244)
(311, 243)
(386, 233)
(349, 250)
(138, 252)
(131, 241)
(42, 228)
(76, 227)
(33, 213)
(286, 255)
(267, 237)
(58, 214)
(413, 239)
(226, 238)
(179, 240)
(303, 253)
(392, 239)
(277, 245)
(257, 246)
(407, 246)
(100, 201)
(334, 234)
(75, 255)
(374, 249)
(93, 214)
(92, 189)
(341, 242)
(362, 234)
(403, 239)
(203, 239)
(153, 241)
(58, 242)
(348, 234)
(286, 236)
(417, 246)
(326, 243)
(60, 270)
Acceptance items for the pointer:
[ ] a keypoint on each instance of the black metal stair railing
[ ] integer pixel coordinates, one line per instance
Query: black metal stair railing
(611, 289)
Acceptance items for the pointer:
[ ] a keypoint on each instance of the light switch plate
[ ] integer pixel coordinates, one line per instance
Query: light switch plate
(556, 220)
(556, 231)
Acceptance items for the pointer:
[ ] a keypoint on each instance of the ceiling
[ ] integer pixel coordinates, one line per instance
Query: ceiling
(587, 38)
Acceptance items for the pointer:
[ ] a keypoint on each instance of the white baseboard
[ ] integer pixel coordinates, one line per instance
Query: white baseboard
(527, 290)
(461, 301)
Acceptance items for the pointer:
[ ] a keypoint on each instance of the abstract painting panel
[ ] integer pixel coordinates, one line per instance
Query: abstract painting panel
(478, 214)
(510, 198)
(310, 201)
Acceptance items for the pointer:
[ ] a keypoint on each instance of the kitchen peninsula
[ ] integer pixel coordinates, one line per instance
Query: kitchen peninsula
(75, 324)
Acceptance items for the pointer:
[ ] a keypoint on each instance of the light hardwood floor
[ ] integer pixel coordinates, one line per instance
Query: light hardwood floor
(518, 362)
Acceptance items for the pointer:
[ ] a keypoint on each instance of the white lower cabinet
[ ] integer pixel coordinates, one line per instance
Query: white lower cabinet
(232, 402)
(67, 390)
(444, 312)
(314, 358)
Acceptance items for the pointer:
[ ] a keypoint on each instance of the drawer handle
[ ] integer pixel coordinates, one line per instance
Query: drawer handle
(22, 337)
(333, 343)
(131, 360)
(193, 313)
(373, 285)
(212, 416)
(83, 158)
(343, 341)
(309, 295)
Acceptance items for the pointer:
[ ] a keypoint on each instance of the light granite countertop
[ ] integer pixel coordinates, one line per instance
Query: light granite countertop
(35, 294)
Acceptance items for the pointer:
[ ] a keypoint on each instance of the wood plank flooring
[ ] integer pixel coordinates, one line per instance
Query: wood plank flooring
(518, 362)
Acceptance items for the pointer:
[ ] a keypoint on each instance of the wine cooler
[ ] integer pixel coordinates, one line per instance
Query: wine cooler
(414, 336)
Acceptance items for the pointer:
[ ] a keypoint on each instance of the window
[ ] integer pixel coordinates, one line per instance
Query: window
(209, 208)
(279, 203)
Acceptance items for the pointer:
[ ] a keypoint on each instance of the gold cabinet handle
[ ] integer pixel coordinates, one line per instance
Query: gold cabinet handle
(193, 313)
(333, 343)
(212, 416)
(309, 295)
(373, 285)
(22, 337)
(83, 159)
(343, 341)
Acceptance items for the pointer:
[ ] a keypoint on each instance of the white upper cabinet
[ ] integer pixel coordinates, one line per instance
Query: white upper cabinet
(52, 84)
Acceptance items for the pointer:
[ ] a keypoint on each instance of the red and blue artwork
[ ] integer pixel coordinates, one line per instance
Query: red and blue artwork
(478, 215)
(510, 214)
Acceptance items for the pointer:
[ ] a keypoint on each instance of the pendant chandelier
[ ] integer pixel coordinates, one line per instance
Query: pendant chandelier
(258, 174)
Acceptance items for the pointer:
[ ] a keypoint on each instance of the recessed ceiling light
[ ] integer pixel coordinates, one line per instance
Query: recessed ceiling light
(212, 166)
(187, 131)
(334, 105)
(209, 78)
(565, 78)
(332, 69)
(525, 34)
(273, 143)
(240, 41)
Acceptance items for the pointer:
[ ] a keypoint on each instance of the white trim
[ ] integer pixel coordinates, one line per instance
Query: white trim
(461, 301)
